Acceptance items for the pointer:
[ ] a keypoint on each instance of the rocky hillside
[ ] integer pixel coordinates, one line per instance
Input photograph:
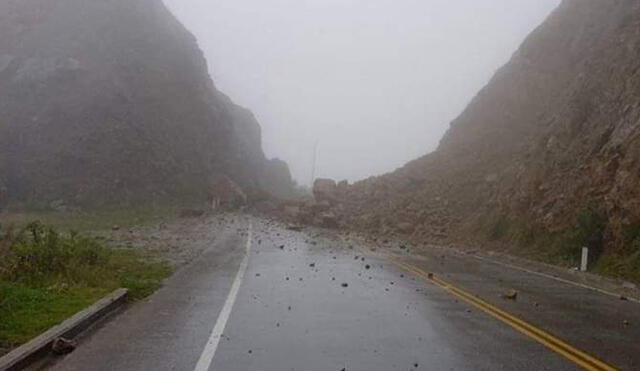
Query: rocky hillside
(546, 156)
(111, 101)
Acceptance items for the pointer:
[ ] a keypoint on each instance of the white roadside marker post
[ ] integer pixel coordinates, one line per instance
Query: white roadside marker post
(585, 259)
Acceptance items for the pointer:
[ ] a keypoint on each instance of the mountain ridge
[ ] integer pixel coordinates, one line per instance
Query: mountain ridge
(545, 157)
(113, 101)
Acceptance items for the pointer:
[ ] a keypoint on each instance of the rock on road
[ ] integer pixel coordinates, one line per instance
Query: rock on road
(316, 303)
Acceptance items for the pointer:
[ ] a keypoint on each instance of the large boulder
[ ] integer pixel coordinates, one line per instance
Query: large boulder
(329, 220)
(343, 186)
(292, 211)
(405, 227)
(225, 194)
(325, 189)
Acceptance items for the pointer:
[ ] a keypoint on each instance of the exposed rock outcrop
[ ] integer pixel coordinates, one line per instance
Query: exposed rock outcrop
(276, 178)
(324, 189)
(225, 194)
(112, 101)
(549, 148)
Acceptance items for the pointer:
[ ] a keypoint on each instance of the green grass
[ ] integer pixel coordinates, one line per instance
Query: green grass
(498, 228)
(91, 221)
(26, 312)
(620, 266)
(46, 276)
(625, 263)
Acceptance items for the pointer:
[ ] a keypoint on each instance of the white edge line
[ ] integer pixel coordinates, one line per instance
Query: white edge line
(206, 358)
(605, 292)
(577, 284)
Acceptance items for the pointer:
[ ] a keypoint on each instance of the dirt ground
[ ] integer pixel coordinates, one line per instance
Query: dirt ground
(179, 240)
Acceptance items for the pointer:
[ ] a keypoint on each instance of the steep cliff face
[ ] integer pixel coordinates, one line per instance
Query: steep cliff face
(549, 148)
(112, 101)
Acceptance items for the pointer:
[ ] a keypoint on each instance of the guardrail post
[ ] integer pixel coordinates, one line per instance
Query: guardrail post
(585, 259)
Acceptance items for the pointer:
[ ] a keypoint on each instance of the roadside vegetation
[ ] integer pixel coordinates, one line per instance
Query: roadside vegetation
(564, 248)
(626, 263)
(47, 276)
(99, 219)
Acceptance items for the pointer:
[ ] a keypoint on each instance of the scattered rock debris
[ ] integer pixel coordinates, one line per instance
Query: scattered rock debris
(510, 294)
(63, 346)
(629, 286)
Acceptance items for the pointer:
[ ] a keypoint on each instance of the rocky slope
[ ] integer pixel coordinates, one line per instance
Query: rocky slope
(547, 155)
(111, 101)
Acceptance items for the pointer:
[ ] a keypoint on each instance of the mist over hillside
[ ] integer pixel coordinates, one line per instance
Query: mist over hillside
(374, 82)
(111, 101)
(546, 156)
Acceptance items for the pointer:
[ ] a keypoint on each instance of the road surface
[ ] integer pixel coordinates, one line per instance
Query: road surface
(267, 298)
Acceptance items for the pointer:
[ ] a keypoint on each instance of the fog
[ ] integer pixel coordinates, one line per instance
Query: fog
(374, 82)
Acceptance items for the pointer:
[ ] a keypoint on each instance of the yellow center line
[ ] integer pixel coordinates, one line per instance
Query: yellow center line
(573, 354)
(578, 357)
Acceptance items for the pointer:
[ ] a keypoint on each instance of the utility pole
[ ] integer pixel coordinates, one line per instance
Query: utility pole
(313, 165)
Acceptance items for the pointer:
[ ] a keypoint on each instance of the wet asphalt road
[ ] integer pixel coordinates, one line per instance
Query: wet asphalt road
(312, 303)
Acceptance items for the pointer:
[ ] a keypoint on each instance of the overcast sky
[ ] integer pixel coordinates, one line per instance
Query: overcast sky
(375, 82)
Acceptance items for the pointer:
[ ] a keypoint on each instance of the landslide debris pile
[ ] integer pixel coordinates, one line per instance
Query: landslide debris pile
(112, 101)
(548, 151)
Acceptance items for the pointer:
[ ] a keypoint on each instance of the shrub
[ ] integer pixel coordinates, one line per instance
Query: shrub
(38, 254)
(587, 232)
(46, 276)
(498, 228)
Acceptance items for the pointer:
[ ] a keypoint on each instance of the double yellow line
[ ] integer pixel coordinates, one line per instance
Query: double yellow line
(577, 356)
